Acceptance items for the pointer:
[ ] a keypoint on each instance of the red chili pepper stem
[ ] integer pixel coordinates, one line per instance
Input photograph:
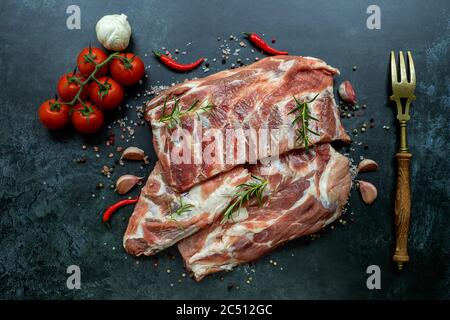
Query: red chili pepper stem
(157, 54)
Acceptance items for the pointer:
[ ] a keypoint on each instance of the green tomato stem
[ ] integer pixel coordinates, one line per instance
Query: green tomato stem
(98, 66)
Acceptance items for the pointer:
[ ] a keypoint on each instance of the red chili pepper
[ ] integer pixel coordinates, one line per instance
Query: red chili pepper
(178, 66)
(260, 43)
(109, 212)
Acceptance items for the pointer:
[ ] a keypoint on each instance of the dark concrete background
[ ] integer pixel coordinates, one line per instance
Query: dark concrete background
(49, 219)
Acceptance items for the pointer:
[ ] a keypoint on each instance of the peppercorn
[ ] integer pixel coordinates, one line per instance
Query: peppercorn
(80, 160)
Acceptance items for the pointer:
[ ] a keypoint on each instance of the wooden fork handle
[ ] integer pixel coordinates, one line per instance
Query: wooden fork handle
(402, 208)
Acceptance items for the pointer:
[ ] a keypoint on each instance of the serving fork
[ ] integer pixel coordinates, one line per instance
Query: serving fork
(403, 95)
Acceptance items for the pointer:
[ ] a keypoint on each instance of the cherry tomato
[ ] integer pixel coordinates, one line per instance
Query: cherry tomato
(68, 86)
(86, 58)
(87, 118)
(128, 68)
(107, 94)
(53, 114)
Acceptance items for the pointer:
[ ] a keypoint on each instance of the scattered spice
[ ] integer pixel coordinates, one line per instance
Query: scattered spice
(111, 140)
(106, 171)
(80, 160)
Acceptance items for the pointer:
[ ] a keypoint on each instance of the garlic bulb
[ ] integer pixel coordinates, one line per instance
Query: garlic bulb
(114, 32)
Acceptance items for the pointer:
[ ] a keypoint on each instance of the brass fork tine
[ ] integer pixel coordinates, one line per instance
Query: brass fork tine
(394, 77)
(412, 71)
(403, 77)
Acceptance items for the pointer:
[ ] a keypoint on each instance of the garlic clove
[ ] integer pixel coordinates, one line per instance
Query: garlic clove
(347, 93)
(368, 191)
(367, 165)
(127, 182)
(133, 153)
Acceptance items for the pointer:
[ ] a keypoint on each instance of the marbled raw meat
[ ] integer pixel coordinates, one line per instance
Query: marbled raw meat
(254, 97)
(306, 193)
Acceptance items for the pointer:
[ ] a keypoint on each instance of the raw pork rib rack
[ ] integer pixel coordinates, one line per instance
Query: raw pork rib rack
(253, 97)
(153, 227)
(296, 177)
(306, 194)
(306, 189)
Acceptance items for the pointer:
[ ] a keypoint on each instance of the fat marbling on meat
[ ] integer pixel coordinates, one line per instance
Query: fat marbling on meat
(153, 226)
(251, 98)
(306, 192)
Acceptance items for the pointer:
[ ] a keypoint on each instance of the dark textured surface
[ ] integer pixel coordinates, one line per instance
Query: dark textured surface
(49, 219)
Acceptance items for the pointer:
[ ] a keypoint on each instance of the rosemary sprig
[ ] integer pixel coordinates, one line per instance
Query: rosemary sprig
(206, 108)
(193, 106)
(245, 192)
(181, 208)
(303, 118)
(173, 118)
